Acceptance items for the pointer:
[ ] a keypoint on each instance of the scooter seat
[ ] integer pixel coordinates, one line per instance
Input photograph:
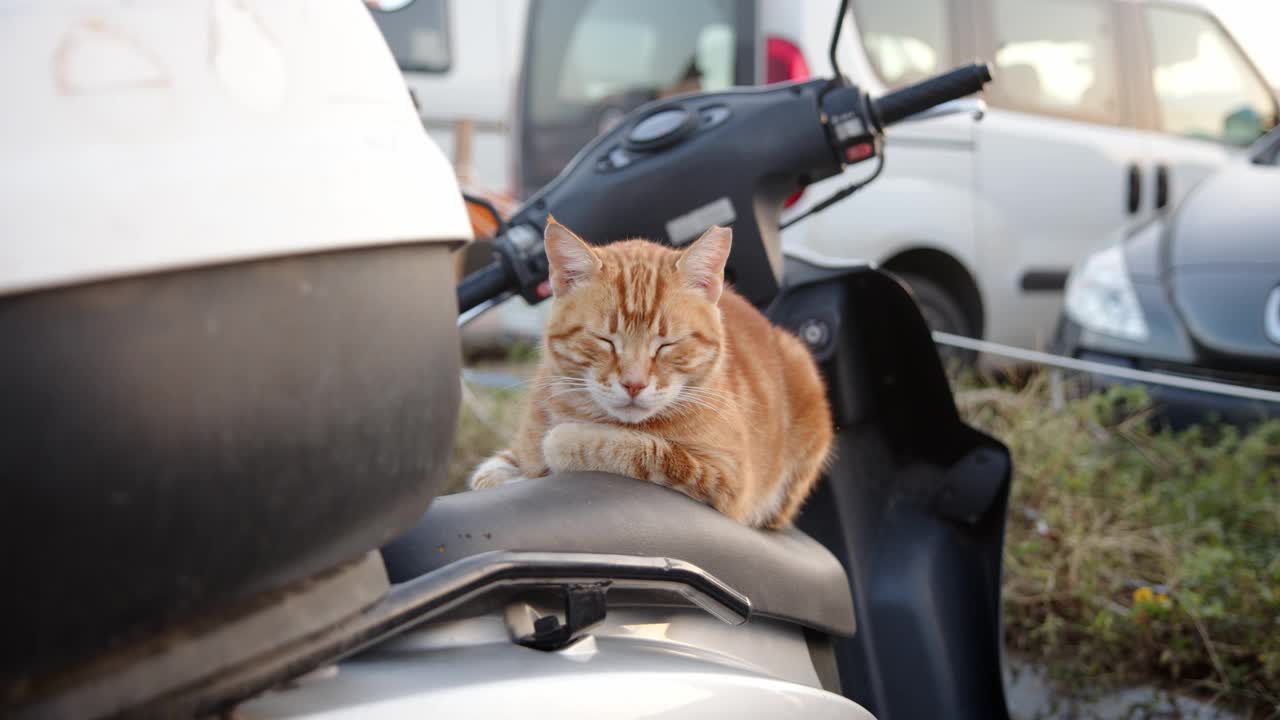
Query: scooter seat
(786, 574)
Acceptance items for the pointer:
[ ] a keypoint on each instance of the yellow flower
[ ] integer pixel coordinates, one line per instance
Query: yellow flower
(1162, 598)
(1143, 595)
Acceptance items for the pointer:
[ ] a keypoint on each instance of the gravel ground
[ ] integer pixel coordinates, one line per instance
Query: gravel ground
(1030, 697)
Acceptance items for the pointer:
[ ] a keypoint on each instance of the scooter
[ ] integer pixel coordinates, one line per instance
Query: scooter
(581, 595)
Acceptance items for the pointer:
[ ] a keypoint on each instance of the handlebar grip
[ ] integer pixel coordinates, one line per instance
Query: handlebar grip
(486, 283)
(964, 80)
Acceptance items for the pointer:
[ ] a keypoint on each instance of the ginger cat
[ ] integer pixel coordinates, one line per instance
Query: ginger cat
(651, 368)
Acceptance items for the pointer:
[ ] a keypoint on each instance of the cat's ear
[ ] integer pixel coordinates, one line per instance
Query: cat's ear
(703, 261)
(571, 260)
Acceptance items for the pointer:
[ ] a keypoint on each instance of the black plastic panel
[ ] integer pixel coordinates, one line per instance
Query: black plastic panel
(787, 576)
(175, 443)
(913, 505)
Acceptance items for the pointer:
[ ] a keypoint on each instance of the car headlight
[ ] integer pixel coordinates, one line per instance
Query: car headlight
(1100, 297)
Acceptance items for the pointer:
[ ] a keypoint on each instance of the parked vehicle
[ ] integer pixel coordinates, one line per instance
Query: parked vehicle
(461, 61)
(1102, 114)
(212, 438)
(1195, 293)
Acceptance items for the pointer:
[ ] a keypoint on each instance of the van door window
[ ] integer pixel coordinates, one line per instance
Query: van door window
(1056, 57)
(906, 40)
(418, 33)
(1203, 86)
(619, 53)
(590, 62)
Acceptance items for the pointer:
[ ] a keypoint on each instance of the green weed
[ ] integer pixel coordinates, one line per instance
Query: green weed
(1139, 555)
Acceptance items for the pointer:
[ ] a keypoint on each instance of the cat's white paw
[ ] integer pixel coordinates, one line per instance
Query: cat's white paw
(576, 446)
(494, 471)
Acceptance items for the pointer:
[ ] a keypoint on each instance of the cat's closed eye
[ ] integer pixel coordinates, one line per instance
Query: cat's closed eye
(607, 342)
(664, 346)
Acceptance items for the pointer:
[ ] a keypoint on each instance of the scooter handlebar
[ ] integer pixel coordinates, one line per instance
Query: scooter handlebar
(900, 104)
(520, 266)
(484, 284)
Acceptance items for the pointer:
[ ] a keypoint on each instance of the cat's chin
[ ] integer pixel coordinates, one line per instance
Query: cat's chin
(631, 414)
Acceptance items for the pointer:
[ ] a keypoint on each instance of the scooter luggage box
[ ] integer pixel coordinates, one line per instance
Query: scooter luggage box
(182, 442)
(228, 342)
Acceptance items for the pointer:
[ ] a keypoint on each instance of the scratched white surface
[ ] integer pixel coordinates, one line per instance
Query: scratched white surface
(158, 134)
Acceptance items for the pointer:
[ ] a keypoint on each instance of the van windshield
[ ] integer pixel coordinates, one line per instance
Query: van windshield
(588, 52)
(418, 33)
(589, 62)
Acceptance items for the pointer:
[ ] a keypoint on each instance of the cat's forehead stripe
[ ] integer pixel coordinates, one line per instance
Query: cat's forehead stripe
(639, 287)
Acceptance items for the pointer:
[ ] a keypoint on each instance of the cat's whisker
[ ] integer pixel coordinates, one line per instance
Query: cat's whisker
(708, 398)
(717, 394)
(553, 381)
(693, 404)
(565, 391)
(565, 383)
(701, 390)
(694, 411)
(726, 399)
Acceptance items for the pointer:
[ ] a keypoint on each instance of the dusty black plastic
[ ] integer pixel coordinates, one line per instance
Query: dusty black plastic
(972, 485)
(923, 566)
(786, 574)
(772, 143)
(175, 443)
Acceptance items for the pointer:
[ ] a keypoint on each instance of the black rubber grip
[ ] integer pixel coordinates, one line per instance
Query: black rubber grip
(486, 283)
(964, 80)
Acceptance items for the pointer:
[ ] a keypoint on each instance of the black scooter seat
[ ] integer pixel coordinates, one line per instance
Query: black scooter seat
(787, 575)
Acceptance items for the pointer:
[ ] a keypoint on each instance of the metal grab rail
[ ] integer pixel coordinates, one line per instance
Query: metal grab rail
(423, 598)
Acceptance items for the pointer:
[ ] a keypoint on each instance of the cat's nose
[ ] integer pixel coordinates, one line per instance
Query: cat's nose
(634, 388)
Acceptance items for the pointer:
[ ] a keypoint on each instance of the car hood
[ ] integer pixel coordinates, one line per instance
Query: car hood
(1233, 218)
(1221, 262)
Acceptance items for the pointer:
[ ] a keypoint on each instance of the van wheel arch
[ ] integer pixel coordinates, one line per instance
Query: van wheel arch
(948, 275)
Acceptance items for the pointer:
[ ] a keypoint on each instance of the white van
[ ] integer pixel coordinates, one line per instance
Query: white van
(461, 60)
(1102, 115)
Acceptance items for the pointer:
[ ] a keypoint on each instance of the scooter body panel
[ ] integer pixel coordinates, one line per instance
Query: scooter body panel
(913, 504)
(638, 663)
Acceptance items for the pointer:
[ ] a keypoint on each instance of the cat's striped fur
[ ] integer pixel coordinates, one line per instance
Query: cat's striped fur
(651, 368)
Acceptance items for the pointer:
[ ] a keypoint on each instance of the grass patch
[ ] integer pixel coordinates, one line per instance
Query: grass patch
(1133, 555)
(486, 424)
(1137, 555)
